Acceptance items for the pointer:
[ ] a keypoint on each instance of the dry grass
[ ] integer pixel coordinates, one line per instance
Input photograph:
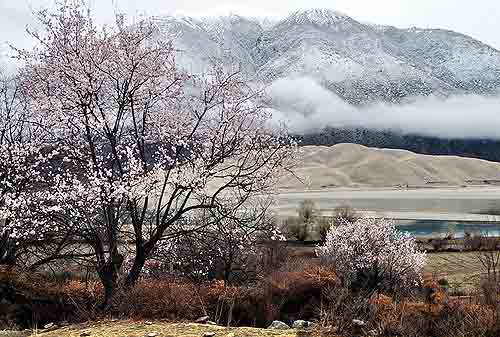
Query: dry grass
(140, 329)
(462, 270)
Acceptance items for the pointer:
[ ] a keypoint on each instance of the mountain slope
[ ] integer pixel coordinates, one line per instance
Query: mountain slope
(359, 62)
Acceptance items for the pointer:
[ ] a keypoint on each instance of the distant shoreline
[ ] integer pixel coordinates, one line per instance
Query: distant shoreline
(471, 204)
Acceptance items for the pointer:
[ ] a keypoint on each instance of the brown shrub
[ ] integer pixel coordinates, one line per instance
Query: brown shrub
(284, 295)
(35, 298)
(308, 292)
(452, 319)
(166, 298)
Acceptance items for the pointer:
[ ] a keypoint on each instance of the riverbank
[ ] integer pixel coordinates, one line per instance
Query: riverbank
(475, 204)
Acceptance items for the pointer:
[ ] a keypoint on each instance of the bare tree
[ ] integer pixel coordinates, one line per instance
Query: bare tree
(490, 261)
(300, 227)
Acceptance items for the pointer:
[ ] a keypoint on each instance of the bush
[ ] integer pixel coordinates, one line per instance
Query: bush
(447, 320)
(300, 228)
(167, 298)
(341, 215)
(443, 283)
(35, 298)
(283, 295)
(223, 249)
(473, 241)
(307, 291)
(296, 230)
(372, 254)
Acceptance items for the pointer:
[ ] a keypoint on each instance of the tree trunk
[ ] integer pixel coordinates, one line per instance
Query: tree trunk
(109, 288)
(135, 271)
(108, 274)
(109, 284)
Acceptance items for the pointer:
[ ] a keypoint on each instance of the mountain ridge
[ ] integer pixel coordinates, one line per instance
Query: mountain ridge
(359, 62)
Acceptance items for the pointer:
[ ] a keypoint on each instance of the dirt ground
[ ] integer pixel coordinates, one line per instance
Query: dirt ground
(159, 329)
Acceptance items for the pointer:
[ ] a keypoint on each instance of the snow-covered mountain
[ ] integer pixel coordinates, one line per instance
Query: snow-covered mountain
(359, 62)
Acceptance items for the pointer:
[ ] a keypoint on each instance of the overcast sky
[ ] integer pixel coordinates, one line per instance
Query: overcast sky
(478, 18)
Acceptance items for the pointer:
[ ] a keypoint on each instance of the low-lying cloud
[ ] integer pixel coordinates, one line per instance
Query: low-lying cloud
(305, 106)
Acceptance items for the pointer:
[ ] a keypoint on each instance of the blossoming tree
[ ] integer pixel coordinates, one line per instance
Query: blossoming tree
(21, 166)
(375, 250)
(142, 145)
(227, 248)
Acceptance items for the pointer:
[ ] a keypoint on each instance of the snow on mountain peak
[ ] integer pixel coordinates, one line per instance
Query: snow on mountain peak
(359, 61)
(167, 20)
(317, 16)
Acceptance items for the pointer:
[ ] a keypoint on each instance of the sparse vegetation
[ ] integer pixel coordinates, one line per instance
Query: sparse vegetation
(299, 289)
(132, 189)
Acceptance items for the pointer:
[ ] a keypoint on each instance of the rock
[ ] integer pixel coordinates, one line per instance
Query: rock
(50, 327)
(211, 323)
(202, 320)
(358, 323)
(278, 325)
(300, 324)
(7, 333)
(85, 333)
(209, 334)
(152, 334)
(148, 323)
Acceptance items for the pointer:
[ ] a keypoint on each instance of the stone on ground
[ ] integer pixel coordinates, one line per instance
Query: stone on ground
(278, 325)
(300, 324)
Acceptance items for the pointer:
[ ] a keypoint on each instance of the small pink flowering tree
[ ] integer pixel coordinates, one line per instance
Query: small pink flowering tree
(374, 252)
(228, 248)
(22, 162)
(142, 145)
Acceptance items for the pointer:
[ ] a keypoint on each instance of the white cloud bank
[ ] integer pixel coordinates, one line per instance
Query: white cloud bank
(305, 106)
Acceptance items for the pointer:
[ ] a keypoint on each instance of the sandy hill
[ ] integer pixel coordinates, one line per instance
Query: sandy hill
(352, 165)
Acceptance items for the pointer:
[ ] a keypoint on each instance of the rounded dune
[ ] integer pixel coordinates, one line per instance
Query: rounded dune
(352, 165)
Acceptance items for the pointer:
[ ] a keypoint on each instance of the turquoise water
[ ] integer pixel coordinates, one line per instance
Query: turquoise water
(437, 228)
